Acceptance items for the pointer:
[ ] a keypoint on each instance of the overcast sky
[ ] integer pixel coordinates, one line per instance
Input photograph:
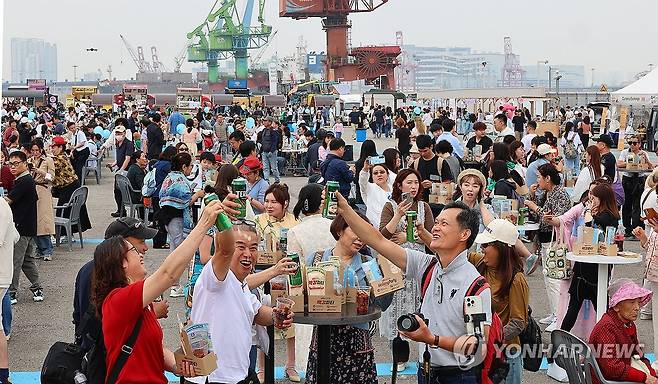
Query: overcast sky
(607, 35)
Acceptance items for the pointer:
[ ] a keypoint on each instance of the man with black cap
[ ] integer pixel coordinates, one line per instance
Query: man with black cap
(604, 143)
(136, 233)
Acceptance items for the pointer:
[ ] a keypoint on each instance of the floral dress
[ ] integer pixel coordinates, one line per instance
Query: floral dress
(350, 351)
(406, 300)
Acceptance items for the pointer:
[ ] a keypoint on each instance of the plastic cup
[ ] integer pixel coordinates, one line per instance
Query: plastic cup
(284, 306)
(362, 300)
(200, 348)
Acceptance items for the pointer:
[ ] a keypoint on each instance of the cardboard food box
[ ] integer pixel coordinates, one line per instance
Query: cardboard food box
(441, 193)
(271, 254)
(393, 279)
(589, 246)
(204, 365)
(329, 302)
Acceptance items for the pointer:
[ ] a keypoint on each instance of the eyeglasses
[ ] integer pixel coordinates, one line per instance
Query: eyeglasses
(132, 248)
(249, 223)
(14, 164)
(183, 149)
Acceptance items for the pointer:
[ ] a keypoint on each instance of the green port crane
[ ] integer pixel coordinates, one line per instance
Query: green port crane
(224, 35)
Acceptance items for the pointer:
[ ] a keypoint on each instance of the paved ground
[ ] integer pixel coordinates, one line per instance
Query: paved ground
(37, 325)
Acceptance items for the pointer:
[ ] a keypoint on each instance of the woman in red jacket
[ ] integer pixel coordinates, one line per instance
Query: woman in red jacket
(617, 327)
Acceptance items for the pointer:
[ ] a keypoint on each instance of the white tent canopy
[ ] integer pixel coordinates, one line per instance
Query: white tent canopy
(644, 91)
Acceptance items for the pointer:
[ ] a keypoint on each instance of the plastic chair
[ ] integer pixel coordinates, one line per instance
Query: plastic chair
(77, 200)
(575, 356)
(93, 165)
(124, 186)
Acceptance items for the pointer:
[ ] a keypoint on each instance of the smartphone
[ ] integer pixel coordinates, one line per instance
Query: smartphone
(650, 213)
(406, 198)
(374, 160)
(473, 306)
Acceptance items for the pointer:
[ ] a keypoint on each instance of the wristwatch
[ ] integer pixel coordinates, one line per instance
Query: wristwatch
(435, 343)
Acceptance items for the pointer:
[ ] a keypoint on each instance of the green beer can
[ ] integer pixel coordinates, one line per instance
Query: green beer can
(239, 187)
(523, 216)
(295, 279)
(330, 201)
(411, 225)
(223, 222)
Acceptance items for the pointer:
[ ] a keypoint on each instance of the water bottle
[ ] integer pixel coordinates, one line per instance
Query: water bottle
(79, 378)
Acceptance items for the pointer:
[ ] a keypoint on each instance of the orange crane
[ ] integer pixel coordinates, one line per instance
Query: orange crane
(375, 64)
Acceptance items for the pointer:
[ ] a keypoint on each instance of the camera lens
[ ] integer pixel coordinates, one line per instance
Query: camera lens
(408, 323)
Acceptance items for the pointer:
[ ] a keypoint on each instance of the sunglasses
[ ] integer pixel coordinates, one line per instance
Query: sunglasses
(379, 173)
(633, 142)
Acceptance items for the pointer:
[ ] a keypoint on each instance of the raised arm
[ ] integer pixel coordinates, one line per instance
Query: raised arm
(371, 236)
(285, 266)
(174, 265)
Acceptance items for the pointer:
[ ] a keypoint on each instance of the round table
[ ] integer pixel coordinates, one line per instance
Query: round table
(602, 283)
(528, 226)
(324, 321)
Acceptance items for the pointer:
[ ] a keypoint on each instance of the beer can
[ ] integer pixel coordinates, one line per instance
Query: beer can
(223, 222)
(411, 226)
(330, 201)
(239, 187)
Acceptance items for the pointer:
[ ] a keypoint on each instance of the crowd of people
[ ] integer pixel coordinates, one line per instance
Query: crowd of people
(173, 163)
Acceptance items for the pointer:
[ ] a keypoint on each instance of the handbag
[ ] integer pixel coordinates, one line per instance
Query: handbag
(531, 340)
(618, 189)
(555, 263)
(65, 360)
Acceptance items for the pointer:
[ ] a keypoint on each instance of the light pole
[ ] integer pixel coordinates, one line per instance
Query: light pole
(484, 66)
(75, 73)
(550, 77)
(539, 62)
(557, 87)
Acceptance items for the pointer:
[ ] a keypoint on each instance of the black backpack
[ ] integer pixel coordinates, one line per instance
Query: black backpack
(64, 360)
(531, 340)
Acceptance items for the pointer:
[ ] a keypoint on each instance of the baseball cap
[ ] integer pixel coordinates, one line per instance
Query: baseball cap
(24, 119)
(129, 226)
(58, 140)
(545, 149)
(269, 118)
(250, 164)
(605, 138)
(498, 230)
(120, 129)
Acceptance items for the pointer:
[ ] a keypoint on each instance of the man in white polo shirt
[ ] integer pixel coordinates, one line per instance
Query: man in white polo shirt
(223, 300)
(454, 231)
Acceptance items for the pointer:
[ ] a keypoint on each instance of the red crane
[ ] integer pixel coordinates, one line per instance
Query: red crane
(375, 64)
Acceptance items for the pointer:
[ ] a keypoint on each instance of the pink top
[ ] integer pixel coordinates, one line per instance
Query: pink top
(191, 136)
(568, 220)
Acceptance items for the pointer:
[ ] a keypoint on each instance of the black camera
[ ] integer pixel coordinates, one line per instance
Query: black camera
(408, 322)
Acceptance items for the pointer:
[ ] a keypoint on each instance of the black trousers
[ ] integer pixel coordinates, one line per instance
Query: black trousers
(160, 240)
(79, 160)
(633, 186)
(575, 303)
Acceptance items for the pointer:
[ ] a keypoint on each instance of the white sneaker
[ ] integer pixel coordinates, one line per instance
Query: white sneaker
(176, 291)
(552, 326)
(548, 319)
(555, 372)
